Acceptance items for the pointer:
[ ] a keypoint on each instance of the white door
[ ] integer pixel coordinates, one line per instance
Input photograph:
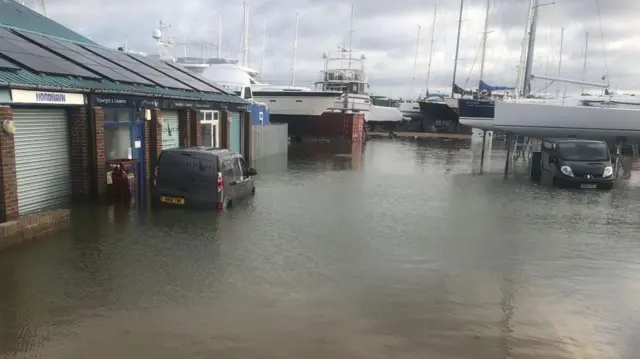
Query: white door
(43, 164)
(170, 132)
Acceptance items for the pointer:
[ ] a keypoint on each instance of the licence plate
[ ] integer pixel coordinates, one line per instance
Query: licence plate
(172, 200)
(589, 186)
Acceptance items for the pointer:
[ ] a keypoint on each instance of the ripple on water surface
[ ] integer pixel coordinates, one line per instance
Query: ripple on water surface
(395, 252)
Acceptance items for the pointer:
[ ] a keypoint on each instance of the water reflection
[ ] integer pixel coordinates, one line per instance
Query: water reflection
(393, 249)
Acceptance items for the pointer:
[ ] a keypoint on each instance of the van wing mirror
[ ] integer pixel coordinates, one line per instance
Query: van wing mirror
(252, 172)
(552, 159)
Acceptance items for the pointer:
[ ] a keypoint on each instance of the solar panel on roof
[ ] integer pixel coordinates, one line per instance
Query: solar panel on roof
(88, 59)
(170, 71)
(132, 65)
(38, 59)
(6, 65)
(195, 76)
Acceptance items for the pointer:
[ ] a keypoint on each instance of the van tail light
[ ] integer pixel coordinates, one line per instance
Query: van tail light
(220, 182)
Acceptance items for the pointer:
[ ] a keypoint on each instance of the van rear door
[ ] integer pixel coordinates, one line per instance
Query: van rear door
(204, 188)
(175, 174)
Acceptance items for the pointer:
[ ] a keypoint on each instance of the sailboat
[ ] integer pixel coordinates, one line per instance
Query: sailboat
(591, 117)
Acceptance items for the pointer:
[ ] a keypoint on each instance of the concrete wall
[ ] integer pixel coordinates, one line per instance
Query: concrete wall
(269, 140)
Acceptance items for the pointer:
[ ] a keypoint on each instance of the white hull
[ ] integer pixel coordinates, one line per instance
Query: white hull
(355, 103)
(483, 123)
(383, 114)
(545, 120)
(295, 103)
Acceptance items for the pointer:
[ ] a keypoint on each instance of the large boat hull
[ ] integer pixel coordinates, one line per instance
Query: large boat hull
(545, 121)
(296, 103)
(438, 115)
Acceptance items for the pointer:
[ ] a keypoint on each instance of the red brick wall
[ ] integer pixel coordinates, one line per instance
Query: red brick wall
(101, 170)
(224, 129)
(80, 166)
(147, 156)
(155, 136)
(8, 180)
(184, 127)
(195, 128)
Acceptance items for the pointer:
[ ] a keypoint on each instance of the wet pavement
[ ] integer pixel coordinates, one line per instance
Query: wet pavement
(399, 252)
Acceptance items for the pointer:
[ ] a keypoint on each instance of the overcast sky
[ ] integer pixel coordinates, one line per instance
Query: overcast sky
(386, 32)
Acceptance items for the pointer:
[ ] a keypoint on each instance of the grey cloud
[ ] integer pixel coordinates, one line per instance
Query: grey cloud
(385, 32)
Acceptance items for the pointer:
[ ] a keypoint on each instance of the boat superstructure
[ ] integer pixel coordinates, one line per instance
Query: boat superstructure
(284, 102)
(345, 73)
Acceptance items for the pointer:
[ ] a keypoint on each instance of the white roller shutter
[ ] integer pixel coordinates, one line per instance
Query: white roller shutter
(170, 132)
(43, 163)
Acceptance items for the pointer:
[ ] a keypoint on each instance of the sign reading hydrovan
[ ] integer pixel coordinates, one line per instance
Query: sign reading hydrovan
(49, 98)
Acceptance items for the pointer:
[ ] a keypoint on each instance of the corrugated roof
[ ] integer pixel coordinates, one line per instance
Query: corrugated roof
(19, 17)
(16, 16)
(26, 79)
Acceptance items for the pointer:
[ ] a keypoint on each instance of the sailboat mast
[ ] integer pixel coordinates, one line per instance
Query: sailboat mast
(526, 88)
(560, 61)
(415, 62)
(264, 45)
(245, 35)
(219, 35)
(584, 65)
(351, 37)
(484, 43)
(455, 60)
(433, 31)
(295, 49)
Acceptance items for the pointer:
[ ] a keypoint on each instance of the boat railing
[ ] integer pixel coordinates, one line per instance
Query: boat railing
(343, 75)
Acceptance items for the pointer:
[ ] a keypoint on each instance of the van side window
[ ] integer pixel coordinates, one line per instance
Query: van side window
(237, 171)
(547, 145)
(227, 169)
(243, 166)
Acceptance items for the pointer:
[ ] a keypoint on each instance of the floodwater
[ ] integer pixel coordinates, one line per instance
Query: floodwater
(399, 252)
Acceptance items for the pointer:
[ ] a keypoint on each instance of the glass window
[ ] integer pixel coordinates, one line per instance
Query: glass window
(237, 171)
(243, 166)
(117, 142)
(227, 170)
(583, 151)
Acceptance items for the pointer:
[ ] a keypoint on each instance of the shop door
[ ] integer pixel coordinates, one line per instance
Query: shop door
(235, 144)
(43, 165)
(137, 153)
(170, 132)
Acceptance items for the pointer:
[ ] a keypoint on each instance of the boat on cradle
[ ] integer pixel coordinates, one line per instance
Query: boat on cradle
(341, 74)
(603, 117)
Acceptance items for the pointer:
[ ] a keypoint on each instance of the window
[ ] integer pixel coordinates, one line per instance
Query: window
(243, 166)
(227, 170)
(237, 171)
(117, 142)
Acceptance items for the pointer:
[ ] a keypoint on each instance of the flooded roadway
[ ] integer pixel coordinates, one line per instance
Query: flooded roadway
(397, 253)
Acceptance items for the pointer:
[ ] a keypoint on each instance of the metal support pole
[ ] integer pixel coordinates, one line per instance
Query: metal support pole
(507, 161)
(484, 141)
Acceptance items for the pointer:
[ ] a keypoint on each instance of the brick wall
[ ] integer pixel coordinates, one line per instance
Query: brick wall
(184, 127)
(31, 227)
(224, 129)
(80, 162)
(8, 180)
(195, 128)
(147, 156)
(100, 165)
(155, 136)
